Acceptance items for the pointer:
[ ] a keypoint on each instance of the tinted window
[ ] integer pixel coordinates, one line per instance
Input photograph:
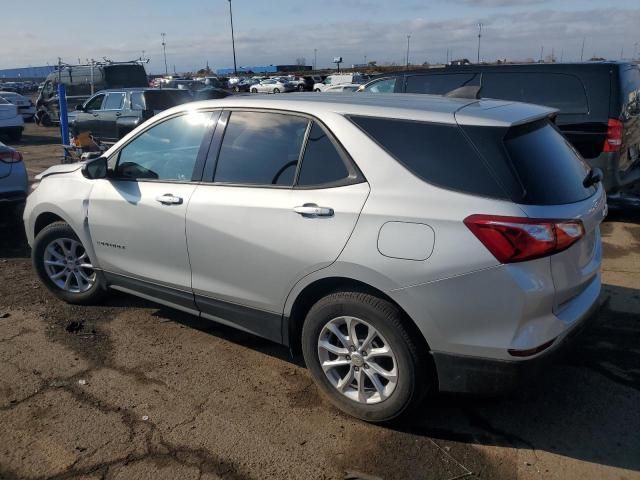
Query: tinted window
(95, 103)
(438, 154)
(164, 99)
(167, 151)
(549, 168)
(321, 162)
(114, 101)
(384, 85)
(439, 84)
(137, 101)
(260, 148)
(561, 91)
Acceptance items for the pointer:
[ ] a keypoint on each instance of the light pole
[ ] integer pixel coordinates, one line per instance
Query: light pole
(479, 37)
(408, 47)
(164, 50)
(233, 41)
(582, 51)
(635, 50)
(315, 58)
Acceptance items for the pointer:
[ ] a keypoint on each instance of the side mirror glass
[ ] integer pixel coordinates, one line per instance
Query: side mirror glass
(95, 169)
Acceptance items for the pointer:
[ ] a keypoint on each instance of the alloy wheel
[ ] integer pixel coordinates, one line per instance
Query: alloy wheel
(68, 266)
(357, 360)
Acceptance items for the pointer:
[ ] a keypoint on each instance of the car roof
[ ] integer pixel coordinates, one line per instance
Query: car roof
(418, 107)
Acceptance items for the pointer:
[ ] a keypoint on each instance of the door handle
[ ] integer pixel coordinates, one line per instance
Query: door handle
(169, 199)
(311, 210)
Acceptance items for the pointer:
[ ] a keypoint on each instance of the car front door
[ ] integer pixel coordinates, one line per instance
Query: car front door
(108, 116)
(281, 204)
(86, 120)
(137, 214)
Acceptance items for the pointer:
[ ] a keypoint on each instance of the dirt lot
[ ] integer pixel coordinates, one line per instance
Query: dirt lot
(130, 390)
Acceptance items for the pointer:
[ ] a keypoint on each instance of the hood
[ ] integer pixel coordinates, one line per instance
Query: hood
(58, 169)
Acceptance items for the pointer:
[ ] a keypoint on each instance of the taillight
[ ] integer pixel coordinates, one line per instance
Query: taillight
(10, 156)
(516, 239)
(614, 136)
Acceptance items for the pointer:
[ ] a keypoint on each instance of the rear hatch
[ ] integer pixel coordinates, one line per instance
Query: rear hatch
(552, 173)
(544, 174)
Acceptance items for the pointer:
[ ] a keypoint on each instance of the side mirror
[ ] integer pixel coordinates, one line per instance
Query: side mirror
(95, 169)
(79, 107)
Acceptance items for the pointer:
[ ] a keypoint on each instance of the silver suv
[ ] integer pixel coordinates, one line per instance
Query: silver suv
(407, 243)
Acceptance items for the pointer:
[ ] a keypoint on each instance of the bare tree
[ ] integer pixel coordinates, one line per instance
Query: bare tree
(301, 61)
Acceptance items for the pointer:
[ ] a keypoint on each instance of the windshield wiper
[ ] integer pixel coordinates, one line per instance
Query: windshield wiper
(594, 176)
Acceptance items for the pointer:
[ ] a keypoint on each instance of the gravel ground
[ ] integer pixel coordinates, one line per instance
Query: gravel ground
(130, 390)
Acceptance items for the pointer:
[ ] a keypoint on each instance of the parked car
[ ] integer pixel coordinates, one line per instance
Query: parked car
(110, 114)
(346, 87)
(212, 82)
(78, 79)
(598, 103)
(13, 178)
(210, 93)
(272, 86)
(406, 243)
(11, 122)
(26, 108)
(338, 79)
(244, 85)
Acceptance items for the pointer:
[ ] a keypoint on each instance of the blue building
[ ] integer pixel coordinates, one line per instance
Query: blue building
(27, 73)
(264, 69)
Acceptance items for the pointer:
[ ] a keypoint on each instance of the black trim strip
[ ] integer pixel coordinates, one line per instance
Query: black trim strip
(264, 324)
(180, 298)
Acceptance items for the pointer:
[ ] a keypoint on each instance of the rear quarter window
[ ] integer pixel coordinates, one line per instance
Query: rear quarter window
(437, 153)
(562, 91)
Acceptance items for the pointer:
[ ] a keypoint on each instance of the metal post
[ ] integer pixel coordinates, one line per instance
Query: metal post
(479, 37)
(64, 119)
(164, 50)
(408, 45)
(315, 58)
(233, 42)
(582, 51)
(92, 81)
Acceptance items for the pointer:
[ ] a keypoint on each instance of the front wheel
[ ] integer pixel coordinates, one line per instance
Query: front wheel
(254, 90)
(317, 90)
(236, 89)
(362, 356)
(276, 90)
(64, 266)
(301, 88)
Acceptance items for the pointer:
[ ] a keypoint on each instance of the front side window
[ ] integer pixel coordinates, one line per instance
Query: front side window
(260, 148)
(322, 163)
(95, 103)
(166, 151)
(114, 101)
(384, 85)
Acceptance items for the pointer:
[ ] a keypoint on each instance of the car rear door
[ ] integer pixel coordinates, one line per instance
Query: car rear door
(281, 202)
(109, 114)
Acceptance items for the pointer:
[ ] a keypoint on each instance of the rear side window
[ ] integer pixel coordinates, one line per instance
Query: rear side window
(550, 169)
(439, 84)
(164, 99)
(561, 91)
(114, 101)
(438, 154)
(322, 163)
(260, 148)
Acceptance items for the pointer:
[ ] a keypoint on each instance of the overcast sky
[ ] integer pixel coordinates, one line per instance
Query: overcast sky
(37, 32)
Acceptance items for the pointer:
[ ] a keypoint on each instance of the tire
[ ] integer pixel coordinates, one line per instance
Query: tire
(236, 89)
(276, 90)
(61, 231)
(407, 361)
(254, 90)
(301, 88)
(317, 90)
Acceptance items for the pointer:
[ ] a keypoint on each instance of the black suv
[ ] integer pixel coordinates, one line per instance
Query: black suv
(598, 103)
(110, 114)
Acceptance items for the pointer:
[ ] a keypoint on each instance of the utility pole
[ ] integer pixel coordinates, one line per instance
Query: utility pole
(233, 41)
(635, 50)
(315, 58)
(621, 53)
(541, 53)
(365, 60)
(582, 51)
(164, 51)
(408, 46)
(479, 37)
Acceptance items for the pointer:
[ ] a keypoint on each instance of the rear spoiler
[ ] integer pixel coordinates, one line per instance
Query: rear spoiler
(498, 113)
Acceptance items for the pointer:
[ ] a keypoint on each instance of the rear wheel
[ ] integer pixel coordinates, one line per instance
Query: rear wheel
(362, 357)
(276, 90)
(254, 90)
(64, 266)
(317, 90)
(301, 88)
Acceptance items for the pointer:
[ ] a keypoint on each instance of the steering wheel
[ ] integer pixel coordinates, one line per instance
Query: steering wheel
(287, 165)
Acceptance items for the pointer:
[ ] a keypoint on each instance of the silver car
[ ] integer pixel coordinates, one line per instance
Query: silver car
(13, 178)
(272, 85)
(405, 243)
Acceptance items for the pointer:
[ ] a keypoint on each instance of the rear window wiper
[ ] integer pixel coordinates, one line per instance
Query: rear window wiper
(594, 176)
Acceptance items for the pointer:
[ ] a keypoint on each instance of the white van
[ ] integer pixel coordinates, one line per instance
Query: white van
(338, 79)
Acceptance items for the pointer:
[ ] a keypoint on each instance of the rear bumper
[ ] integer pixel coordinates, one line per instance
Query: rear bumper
(484, 376)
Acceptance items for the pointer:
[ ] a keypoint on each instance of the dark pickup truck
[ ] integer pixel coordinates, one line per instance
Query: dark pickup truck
(110, 114)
